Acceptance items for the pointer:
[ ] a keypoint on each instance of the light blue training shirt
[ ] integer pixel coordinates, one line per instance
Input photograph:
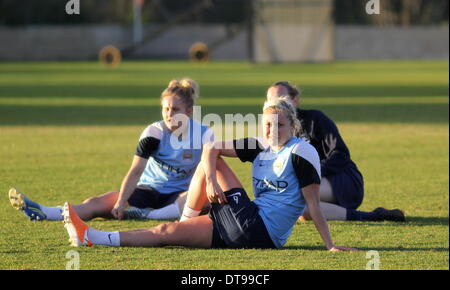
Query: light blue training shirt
(171, 161)
(278, 179)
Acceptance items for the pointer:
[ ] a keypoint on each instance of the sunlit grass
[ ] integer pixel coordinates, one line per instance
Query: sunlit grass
(68, 131)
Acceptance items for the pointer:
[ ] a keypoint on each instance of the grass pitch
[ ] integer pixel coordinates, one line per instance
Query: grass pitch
(68, 131)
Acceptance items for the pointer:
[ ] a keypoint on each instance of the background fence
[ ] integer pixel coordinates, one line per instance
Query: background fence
(258, 30)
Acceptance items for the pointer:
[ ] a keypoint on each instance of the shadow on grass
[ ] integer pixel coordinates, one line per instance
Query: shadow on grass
(427, 221)
(118, 91)
(395, 249)
(321, 248)
(413, 221)
(14, 252)
(58, 115)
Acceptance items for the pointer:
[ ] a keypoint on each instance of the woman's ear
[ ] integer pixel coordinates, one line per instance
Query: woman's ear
(189, 111)
(296, 101)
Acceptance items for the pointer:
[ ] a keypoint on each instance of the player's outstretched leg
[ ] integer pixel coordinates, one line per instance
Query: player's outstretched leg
(195, 232)
(31, 209)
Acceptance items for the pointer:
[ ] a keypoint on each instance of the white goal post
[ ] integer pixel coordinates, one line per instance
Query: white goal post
(292, 31)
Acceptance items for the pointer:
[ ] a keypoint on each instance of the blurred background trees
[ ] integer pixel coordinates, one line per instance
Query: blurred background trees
(36, 12)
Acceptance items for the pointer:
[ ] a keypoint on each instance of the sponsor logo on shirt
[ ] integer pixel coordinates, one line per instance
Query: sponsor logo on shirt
(278, 185)
(171, 168)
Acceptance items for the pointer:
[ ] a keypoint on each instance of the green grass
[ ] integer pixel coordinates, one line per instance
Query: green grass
(68, 131)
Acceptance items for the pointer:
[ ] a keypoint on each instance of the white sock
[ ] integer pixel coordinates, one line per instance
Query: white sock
(52, 213)
(189, 213)
(168, 212)
(110, 239)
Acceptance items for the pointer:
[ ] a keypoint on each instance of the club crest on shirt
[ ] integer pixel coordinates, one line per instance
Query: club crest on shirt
(305, 137)
(278, 165)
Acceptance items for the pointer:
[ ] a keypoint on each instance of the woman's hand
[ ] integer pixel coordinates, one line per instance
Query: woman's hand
(214, 192)
(311, 194)
(340, 249)
(118, 210)
(128, 186)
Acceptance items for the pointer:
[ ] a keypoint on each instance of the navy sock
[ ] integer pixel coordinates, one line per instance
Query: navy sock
(355, 215)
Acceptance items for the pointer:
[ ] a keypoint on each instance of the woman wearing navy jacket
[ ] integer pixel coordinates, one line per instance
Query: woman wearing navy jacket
(342, 187)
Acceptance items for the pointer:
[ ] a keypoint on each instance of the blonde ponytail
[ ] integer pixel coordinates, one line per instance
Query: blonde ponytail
(185, 88)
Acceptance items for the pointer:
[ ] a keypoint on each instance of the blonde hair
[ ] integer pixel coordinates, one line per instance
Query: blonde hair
(186, 89)
(282, 105)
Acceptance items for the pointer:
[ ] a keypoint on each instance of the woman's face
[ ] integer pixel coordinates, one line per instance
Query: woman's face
(172, 106)
(277, 128)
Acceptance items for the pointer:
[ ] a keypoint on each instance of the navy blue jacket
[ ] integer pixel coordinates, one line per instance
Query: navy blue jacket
(323, 134)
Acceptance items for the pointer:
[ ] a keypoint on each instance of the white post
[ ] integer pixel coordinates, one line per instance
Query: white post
(137, 25)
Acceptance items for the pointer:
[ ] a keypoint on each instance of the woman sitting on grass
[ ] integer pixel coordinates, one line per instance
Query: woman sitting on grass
(164, 163)
(342, 186)
(286, 178)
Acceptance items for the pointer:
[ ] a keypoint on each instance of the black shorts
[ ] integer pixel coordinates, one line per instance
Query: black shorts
(348, 187)
(237, 224)
(150, 198)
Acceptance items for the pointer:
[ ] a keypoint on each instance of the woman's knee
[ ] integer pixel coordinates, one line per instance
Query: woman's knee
(326, 191)
(91, 200)
(167, 233)
(162, 229)
(106, 200)
(195, 232)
